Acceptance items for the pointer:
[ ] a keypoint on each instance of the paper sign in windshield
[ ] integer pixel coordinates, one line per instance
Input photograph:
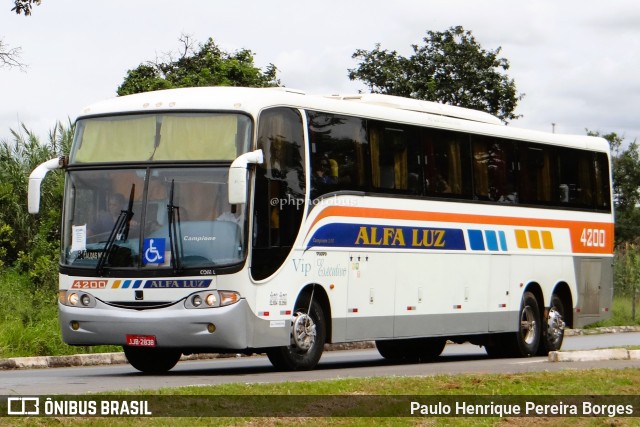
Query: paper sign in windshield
(78, 238)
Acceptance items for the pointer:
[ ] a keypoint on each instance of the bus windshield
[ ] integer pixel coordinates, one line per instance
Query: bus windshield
(161, 137)
(150, 218)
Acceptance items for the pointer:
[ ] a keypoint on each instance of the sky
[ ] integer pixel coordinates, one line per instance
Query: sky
(576, 62)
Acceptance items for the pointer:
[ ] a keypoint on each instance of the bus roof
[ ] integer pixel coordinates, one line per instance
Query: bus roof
(370, 106)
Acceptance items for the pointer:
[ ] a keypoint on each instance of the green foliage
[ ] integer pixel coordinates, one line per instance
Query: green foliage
(206, 66)
(627, 269)
(625, 164)
(27, 241)
(29, 319)
(451, 67)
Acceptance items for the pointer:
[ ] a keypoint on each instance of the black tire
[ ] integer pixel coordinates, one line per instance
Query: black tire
(552, 327)
(295, 358)
(526, 340)
(152, 360)
(428, 349)
(498, 346)
(411, 350)
(395, 350)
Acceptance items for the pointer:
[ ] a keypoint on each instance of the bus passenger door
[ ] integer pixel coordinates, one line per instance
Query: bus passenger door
(370, 297)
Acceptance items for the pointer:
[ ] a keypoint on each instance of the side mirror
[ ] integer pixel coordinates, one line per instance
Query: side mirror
(238, 176)
(35, 180)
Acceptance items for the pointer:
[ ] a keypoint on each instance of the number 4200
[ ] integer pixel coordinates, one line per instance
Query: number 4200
(593, 237)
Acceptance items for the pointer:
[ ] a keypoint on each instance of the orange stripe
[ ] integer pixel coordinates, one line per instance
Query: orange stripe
(576, 228)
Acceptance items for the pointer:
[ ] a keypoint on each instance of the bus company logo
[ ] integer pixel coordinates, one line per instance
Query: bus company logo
(380, 236)
(23, 406)
(174, 284)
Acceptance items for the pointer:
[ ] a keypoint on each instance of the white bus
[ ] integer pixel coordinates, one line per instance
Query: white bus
(272, 221)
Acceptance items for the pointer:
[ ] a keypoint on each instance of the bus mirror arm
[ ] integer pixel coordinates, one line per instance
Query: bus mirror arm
(238, 176)
(35, 180)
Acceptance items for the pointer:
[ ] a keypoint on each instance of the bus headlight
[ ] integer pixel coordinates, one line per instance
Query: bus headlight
(73, 299)
(76, 299)
(209, 299)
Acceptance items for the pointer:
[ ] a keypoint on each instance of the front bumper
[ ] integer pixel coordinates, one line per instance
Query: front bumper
(173, 327)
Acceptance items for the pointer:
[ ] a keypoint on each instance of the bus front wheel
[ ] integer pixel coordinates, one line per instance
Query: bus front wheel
(152, 360)
(308, 334)
(411, 350)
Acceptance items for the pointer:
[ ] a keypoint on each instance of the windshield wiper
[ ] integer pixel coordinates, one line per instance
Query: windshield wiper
(175, 236)
(120, 231)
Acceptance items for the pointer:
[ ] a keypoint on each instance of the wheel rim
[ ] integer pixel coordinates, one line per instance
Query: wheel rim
(304, 332)
(555, 325)
(528, 325)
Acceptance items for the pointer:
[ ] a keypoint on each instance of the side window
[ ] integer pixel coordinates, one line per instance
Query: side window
(279, 189)
(494, 177)
(394, 158)
(575, 177)
(339, 148)
(601, 177)
(536, 172)
(446, 164)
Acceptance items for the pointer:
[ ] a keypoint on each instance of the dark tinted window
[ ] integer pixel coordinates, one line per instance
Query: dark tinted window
(339, 153)
(280, 189)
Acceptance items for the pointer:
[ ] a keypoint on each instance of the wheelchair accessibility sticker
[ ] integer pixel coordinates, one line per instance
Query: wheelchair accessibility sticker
(153, 251)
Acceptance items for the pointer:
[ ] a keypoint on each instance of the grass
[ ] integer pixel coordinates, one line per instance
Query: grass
(375, 401)
(29, 321)
(620, 314)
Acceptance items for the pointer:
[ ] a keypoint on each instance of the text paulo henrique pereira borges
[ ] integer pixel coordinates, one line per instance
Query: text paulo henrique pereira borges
(528, 408)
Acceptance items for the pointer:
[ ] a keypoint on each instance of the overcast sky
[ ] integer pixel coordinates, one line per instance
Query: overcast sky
(577, 62)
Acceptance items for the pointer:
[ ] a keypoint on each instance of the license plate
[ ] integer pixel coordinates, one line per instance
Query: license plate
(141, 340)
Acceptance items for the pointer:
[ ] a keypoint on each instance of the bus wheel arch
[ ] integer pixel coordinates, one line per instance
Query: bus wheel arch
(309, 332)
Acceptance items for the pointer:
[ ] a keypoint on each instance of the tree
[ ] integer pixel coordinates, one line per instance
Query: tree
(625, 165)
(451, 67)
(27, 241)
(10, 57)
(24, 6)
(208, 65)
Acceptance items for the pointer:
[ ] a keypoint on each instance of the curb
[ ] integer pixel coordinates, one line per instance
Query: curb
(594, 355)
(100, 359)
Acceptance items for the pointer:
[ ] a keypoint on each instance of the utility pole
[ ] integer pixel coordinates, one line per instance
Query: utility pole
(553, 128)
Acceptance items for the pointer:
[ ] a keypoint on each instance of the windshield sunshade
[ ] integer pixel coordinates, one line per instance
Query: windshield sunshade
(162, 137)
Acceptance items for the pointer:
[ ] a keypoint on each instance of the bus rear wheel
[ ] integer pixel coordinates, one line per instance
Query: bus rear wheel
(308, 334)
(553, 327)
(152, 360)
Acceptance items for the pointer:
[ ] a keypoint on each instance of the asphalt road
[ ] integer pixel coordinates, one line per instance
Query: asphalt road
(464, 358)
